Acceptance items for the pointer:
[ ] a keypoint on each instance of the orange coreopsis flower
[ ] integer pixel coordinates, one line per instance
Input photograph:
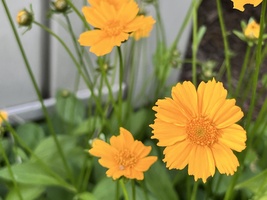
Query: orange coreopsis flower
(145, 28)
(198, 129)
(124, 156)
(252, 31)
(112, 26)
(239, 4)
(116, 3)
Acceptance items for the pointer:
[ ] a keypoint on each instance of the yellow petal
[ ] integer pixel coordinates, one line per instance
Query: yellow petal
(234, 137)
(239, 4)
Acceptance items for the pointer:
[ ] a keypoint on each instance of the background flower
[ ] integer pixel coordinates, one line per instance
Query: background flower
(198, 129)
(112, 26)
(124, 156)
(239, 4)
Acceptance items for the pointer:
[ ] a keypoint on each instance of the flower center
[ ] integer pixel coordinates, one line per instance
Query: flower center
(202, 131)
(113, 28)
(125, 159)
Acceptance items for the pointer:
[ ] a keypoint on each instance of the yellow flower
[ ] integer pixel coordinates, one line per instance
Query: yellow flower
(3, 116)
(239, 4)
(198, 129)
(116, 3)
(145, 28)
(252, 31)
(112, 27)
(124, 156)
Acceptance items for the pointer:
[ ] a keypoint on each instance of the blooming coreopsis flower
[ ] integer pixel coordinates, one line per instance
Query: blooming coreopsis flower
(112, 26)
(239, 4)
(252, 31)
(3, 116)
(116, 3)
(198, 128)
(124, 156)
(145, 28)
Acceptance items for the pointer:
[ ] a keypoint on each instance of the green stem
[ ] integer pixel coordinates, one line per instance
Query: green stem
(120, 95)
(194, 192)
(144, 190)
(195, 42)
(226, 45)
(10, 170)
(257, 67)
(125, 193)
(133, 189)
(78, 51)
(79, 14)
(159, 22)
(117, 190)
(87, 82)
(46, 115)
(243, 70)
(230, 189)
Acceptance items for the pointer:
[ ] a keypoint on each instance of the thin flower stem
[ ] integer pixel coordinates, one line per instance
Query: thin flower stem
(79, 14)
(144, 190)
(195, 42)
(133, 189)
(10, 170)
(125, 193)
(159, 22)
(45, 112)
(226, 46)
(243, 70)
(117, 190)
(87, 82)
(257, 67)
(194, 192)
(78, 51)
(120, 96)
(230, 188)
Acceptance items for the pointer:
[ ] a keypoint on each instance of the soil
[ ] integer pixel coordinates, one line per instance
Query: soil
(211, 46)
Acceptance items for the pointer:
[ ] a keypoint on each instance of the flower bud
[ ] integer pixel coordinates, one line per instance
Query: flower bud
(61, 5)
(252, 31)
(24, 18)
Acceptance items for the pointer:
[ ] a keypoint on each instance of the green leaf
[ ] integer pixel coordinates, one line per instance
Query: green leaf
(30, 173)
(69, 108)
(85, 196)
(105, 189)
(158, 180)
(257, 184)
(48, 151)
(31, 134)
(29, 192)
(88, 126)
(136, 122)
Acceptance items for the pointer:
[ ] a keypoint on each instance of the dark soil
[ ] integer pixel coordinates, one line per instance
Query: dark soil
(211, 47)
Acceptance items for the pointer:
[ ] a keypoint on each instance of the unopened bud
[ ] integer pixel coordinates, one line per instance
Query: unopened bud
(61, 5)
(24, 18)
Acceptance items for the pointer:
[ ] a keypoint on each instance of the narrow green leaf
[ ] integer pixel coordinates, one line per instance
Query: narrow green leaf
(85, 196)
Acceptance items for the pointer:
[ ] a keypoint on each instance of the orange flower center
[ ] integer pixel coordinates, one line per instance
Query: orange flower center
(202, 131)
(113, 28)
(125, 159)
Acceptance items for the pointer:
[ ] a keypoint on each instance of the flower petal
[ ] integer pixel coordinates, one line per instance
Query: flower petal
(225, 160)
(234, 137)
(239, 4)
